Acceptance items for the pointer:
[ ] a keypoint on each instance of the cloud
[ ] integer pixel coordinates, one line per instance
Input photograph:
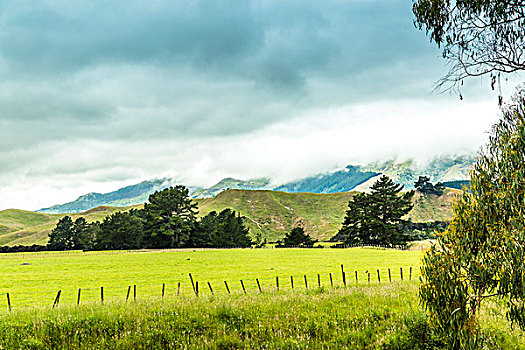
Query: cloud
(97, 94)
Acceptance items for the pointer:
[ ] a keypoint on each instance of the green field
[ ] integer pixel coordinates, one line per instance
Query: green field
(37, 284)
(363, 315)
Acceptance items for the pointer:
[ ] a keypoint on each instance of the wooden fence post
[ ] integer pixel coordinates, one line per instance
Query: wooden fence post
(389, 276)
(344, 275)
(192, 284)
(305, 282)
(277, 282)
(368, 277)
(291, 281)
(127, 295)
(410, 278)
(401, 270)
(211, 290)
(356, 281)
(227, 288)
(178, 288)
(243, 289)
(378, 276)
(331, 281)
(258, 285)
(134, 292)
(57, 299)
(78, 297)
(163, 288)
(102, 295)
(319, 280)
(197, 288)
(8, 302)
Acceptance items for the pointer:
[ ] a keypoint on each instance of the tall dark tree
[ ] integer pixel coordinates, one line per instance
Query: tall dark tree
(424, 186)
(62, 236)
(390, 207)
(91, 236)
(205, 229)
(478, 37)
(120, 231)
(376, 217)
(222, 230)
(360, 223)
(298, 238)
(67, 234)
(79, 229)
(170, 217)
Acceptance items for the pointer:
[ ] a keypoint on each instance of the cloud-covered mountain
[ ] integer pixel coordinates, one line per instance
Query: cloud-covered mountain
(338, 181)
(129, 195)
(453, 171)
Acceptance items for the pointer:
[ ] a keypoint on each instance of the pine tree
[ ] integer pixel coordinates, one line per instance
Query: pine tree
(62, 236)
(298, 238)
(170, 217)
(390, 207)
(375, 218)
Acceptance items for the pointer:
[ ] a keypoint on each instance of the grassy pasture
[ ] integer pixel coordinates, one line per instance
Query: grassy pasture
(385, 316)
(37, 284)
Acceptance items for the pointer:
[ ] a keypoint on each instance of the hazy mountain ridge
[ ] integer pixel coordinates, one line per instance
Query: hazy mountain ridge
(441, 169)
(444, 169)
(234, 184)
(338, 181)
(129, 195)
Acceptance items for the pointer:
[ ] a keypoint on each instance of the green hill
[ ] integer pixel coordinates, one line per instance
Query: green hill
(20, 227)
(270, 213)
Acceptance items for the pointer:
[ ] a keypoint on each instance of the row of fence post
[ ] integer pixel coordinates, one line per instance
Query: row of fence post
(195, 286)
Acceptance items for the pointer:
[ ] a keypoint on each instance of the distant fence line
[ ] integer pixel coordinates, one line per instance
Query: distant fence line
(4, 255)
(383, 246)
(243, 286)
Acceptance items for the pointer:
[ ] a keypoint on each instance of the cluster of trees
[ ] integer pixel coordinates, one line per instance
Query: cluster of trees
(168, 220)
(296, 238)
(424, 186)
(376, 217)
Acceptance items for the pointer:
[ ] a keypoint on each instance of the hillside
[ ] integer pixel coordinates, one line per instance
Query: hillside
(270, 213)
(20, 227)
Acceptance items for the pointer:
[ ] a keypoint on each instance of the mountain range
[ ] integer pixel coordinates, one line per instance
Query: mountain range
(452, 171)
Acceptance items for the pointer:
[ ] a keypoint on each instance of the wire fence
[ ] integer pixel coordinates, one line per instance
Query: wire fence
(193, 286)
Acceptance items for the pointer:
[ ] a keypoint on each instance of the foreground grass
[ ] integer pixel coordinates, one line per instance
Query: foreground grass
(38, 283)
(359, 317)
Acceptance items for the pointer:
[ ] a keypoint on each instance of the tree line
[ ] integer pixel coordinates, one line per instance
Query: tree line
(168, 220)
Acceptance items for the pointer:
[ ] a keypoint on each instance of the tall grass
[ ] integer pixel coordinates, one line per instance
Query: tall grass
(359, 317)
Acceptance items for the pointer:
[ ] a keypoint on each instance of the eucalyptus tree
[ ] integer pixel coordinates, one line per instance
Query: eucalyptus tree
(482, 255)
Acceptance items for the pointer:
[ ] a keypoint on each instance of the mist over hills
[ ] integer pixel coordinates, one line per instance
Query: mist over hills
(453, 171)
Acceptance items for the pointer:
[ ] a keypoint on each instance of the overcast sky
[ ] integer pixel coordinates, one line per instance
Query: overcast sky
(95, 95)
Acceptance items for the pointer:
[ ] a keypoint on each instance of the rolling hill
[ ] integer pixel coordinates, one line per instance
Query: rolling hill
(20, 227)
(270, 213)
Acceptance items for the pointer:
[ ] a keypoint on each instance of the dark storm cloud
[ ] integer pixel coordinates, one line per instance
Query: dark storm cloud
(117, 85)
